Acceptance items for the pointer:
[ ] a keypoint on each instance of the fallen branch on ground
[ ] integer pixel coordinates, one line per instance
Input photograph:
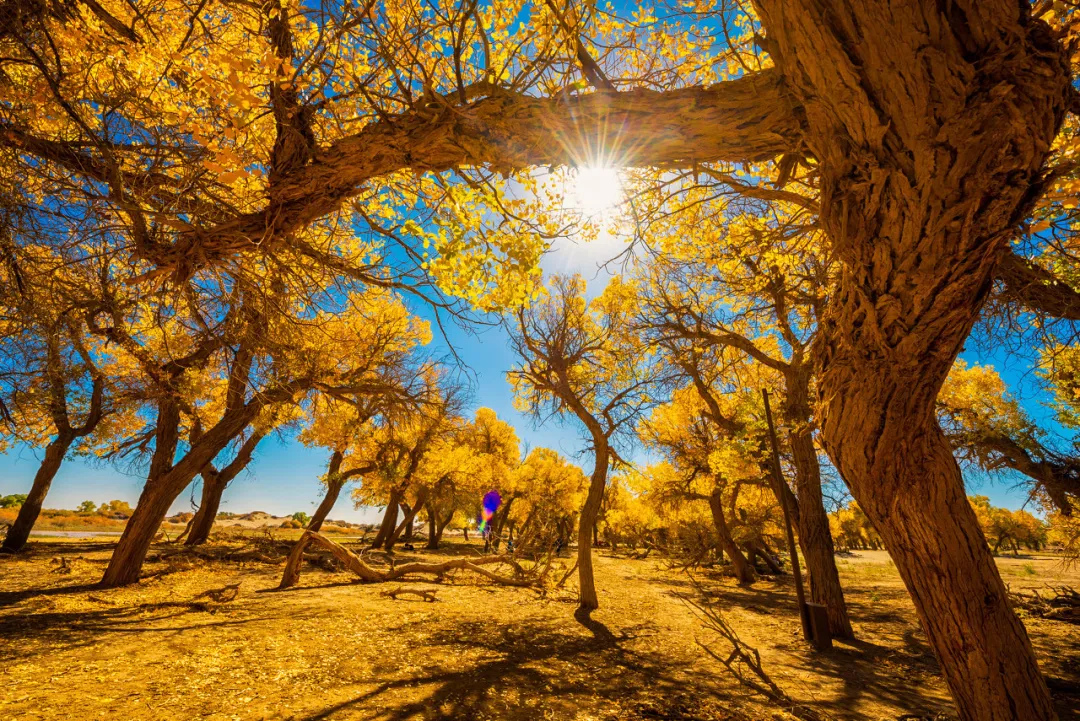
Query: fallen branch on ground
(224, 594)
(1059, 604)
(357, 565)
(419, 592)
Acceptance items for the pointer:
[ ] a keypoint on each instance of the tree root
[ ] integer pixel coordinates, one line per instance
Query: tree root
(355, 564)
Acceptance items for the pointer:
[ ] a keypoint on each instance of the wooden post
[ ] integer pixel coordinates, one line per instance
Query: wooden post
(778, 481)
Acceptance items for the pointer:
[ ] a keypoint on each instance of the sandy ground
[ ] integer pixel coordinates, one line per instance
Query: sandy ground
(335, 649)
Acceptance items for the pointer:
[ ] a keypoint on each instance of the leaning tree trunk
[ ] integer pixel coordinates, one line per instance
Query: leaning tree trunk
(31, 508)
(203, 522)
(126, 562)
(587, 598)
(333, 490)
(165, 482)
(214, 484)
(389, 521)
(406, 523)
(930, 124)
(443, 524)
(743, 570)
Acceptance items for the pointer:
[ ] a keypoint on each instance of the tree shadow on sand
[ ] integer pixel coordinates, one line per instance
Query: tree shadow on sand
(520, 672)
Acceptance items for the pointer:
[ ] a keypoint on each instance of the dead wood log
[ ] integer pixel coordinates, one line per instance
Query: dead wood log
(426, 595)
(355, 564)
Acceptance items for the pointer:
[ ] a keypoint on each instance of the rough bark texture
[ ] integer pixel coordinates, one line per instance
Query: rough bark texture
(31, 508)
(334, 484)
(166, 481)
(743, 571)
(1037, 288)
(738, 120)
(930, 123)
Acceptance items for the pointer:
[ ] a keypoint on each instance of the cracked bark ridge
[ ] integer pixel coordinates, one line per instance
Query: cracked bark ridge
(931, 123)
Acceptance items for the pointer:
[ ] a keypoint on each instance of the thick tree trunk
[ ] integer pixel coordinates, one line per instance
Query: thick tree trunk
(410, 514)
(587, 598)
(125, 564)
(389, 522)
(443, 524)
(932, 534)
(213, 488)
(31, 508)
(930, 124)
(743, 570)
(166, 481)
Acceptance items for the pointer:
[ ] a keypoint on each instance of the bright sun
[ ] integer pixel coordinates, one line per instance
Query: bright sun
(595, 190)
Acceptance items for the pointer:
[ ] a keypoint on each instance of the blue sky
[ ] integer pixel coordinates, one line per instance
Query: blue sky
(283, 476)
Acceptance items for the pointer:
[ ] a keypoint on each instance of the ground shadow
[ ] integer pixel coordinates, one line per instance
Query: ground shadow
(519, 669)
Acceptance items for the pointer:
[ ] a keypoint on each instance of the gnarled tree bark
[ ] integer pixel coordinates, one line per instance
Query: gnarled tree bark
(930, 145)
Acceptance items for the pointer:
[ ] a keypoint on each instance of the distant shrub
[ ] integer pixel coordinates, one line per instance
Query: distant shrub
(1029, 569)
(117, 509)
(291, 523)
(301, 518)
(13, 501)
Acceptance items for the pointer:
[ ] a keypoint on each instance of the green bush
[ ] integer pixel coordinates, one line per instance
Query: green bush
(13, 501)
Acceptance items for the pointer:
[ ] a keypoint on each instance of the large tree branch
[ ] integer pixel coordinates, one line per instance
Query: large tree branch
(1037, 288)
(743, 120)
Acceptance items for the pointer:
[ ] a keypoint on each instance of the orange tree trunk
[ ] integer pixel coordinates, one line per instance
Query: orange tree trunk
(743, 571)
(815, 538)
(31, 508)
(333, 490)
(203, 522)
(930, 123)
(587, 598)
(214, 484)
(165, 482)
